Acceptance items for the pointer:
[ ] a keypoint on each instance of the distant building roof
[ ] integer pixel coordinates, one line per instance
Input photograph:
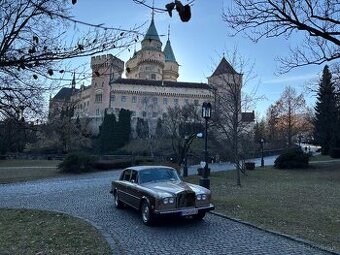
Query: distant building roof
(224, 68)
(168, 52)
(159, 83)
(152, 33)
(248, 116)
(64, 94)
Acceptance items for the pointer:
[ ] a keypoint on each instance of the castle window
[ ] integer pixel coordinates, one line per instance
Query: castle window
(155, 100)
(134, 99)
(97, 112)
(176, 101)
(196, 102)
(186, 101)
(123, 99)
(113, 98)
(145, 100)
(153, 76)
(98, 98)
(154, 114)
(165, 100)
(133, 114)
(144, 113)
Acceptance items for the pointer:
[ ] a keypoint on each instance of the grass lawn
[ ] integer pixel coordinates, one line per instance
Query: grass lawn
(27, 170)
(303, 203)
(38, 232)
(320, 157)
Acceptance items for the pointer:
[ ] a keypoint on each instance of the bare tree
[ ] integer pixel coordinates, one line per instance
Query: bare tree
(231, 100)
(292, 109)
(35, 37)
(318, 19)
(182, 124)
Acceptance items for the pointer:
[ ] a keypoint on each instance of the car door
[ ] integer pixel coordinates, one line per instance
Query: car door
(133, 190)
(122, 186)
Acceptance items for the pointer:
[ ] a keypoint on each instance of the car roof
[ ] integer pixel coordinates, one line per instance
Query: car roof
(140, 168)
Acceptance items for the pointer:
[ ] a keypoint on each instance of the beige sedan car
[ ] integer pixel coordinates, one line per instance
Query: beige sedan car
(157, 191)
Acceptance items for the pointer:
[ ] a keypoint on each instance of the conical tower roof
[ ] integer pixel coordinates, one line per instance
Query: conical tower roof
(224, 68)
(152, 33)
(168, 52)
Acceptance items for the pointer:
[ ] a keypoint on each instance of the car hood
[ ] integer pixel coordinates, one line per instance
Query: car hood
(165, 189)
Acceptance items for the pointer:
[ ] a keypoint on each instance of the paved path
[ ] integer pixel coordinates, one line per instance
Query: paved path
(88, 196)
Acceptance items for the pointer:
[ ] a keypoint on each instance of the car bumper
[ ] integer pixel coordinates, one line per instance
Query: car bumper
(185, 211)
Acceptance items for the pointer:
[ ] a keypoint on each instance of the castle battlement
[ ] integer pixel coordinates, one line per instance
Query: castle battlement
(106, 60)
(101, 59)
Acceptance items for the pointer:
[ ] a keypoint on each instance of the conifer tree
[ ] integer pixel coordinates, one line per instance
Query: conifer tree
(325, 112)
(107, 135)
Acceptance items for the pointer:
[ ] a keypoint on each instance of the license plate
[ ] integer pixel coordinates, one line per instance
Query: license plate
(188, 212)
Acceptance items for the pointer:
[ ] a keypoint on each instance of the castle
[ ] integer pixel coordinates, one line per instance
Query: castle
(149, 89)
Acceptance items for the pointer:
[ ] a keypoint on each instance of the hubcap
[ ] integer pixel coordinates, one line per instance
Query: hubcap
(116, 199)
(145, 213)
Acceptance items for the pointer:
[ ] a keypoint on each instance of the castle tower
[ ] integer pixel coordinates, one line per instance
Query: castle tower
(223, 74)
(148, 63)
(170, 72)
(105, 69)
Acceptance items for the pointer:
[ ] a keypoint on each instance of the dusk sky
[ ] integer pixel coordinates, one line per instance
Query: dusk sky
(200, 44)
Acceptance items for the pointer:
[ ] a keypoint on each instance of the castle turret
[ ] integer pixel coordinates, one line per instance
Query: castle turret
(170, 72)
(148, 63)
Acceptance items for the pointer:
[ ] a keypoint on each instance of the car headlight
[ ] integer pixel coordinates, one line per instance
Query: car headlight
(168, 200)
(201, 197)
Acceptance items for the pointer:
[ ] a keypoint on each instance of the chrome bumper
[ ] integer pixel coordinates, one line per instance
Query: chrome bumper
(179, 211)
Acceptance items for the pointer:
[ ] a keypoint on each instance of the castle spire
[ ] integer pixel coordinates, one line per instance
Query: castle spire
(74, 80)
(168, 52)
(152, 33)
(168, 32)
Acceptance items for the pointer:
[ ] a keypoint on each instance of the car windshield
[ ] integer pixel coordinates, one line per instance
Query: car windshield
(158, 175)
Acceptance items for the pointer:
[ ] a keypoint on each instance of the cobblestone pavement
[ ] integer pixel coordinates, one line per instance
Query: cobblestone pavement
(88, 196)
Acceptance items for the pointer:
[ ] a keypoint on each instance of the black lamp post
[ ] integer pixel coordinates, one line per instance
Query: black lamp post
(262, 160)
(206, 114)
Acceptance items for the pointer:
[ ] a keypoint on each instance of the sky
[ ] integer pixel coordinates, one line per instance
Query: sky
(200, 44)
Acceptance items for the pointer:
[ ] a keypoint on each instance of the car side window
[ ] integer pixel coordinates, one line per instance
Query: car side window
(133, 177)
(126, 175)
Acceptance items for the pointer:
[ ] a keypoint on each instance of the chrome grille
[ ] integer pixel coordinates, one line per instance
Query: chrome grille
(186, 199)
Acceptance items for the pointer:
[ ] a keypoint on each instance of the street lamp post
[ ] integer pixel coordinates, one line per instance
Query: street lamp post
(206, 114)
(262, 160)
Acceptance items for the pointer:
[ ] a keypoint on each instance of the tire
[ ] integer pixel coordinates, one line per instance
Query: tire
(118, 204)
(199, 216)
(147, 215)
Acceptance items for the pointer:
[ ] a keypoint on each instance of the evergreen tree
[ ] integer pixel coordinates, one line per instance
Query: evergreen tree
(107, 134)
(325, 112)
(123, 128)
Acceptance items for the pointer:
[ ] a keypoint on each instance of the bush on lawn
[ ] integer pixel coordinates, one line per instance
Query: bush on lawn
(334, 152)
(112, 164)
(77, 163)
(292, 158)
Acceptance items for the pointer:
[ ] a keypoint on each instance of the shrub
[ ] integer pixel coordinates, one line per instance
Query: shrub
(112, 164)
(335, 152)
(77, 163)
(292, 158)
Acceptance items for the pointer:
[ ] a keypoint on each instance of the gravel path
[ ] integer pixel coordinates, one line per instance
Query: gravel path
(87, 196)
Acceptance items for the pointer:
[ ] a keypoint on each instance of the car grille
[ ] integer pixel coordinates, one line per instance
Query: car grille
(186, 199)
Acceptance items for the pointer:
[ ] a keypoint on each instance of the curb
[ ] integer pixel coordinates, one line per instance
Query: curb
(113, 244)
(296, 239)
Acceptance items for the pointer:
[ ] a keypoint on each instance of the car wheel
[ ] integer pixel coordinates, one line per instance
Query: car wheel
(146, 213)
(118, 203)
(199, 216)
